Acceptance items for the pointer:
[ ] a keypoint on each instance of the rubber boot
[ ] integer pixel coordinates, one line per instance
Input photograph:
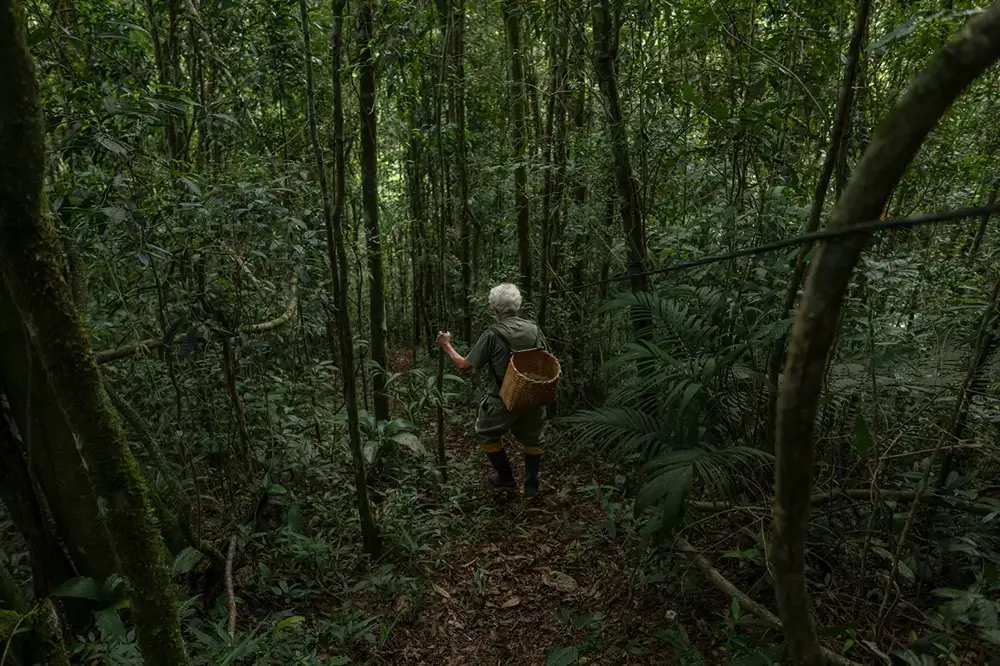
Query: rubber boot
(531, 464)
(504, 478)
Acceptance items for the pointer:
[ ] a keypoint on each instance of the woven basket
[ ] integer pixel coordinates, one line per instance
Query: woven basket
(531, 380)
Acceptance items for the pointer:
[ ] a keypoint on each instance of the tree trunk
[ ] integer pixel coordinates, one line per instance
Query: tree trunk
(337, 255)
(890, 151)
(840, 121)
(983, 221)
(550, 206)
(29, 267)
(51, 451)
(369, 197)
(605, 54)
(418, 223)
(230, 369)
(462, 203)
(519, 128)
(49, 566)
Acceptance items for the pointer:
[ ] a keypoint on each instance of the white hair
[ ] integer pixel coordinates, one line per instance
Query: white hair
(505, 299)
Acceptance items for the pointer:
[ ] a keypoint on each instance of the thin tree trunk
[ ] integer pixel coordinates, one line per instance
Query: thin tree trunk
(983, 221)
(369, 200)
(30, 268)
(892, 148)
(229, 368)
(840, 121)
(605, 54)
(548, 206)
(414, 174)
(519, 128)
(462, 205)
(337, 258)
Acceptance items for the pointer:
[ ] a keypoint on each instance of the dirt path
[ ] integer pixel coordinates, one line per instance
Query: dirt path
(528, 581)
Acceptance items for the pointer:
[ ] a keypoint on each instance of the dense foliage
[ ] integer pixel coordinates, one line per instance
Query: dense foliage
(265, 211)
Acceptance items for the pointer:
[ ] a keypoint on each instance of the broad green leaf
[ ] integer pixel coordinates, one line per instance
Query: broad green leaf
(295, 523)
(186, 561)
(863, 442)
(79, 588)
(397, 426)
(111, 145)
(115, 213)
(991, 635)
(410, 441)
(40, 35)
(110, 623)
(563, 656)
(288, 622)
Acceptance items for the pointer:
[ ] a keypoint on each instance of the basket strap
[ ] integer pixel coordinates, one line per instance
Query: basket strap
(506, 345)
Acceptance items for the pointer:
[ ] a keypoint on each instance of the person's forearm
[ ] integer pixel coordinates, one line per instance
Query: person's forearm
(457, 359)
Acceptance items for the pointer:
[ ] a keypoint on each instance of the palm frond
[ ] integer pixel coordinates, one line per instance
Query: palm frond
(681, 404)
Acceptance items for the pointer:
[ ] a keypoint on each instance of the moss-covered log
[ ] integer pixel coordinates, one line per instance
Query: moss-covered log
(30, 269)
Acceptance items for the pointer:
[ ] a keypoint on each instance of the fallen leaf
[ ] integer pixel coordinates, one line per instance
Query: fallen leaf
(510, 603)
(559, 581)
(440, 590)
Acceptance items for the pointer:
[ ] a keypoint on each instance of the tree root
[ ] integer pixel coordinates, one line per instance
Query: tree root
(722, 584)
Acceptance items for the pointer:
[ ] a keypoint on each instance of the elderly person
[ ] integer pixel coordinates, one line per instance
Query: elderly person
(491, 354)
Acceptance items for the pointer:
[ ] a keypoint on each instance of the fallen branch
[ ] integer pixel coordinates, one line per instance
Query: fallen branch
(722, 584)
(979, 508)
(153, 344)
(230, 594)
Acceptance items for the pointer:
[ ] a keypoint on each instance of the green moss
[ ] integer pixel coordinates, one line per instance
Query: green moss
(8, 623)
(49, 647)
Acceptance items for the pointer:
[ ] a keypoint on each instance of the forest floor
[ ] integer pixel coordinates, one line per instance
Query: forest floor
(542, 582)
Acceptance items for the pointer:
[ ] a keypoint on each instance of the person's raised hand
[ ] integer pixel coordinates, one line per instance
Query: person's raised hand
(443, 339)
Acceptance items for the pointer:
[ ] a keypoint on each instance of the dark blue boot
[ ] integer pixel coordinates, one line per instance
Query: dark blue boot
(504, 478)
(531, 464)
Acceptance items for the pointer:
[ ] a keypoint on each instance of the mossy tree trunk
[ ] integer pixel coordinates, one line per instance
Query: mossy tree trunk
(461, 165)
(30, 269)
